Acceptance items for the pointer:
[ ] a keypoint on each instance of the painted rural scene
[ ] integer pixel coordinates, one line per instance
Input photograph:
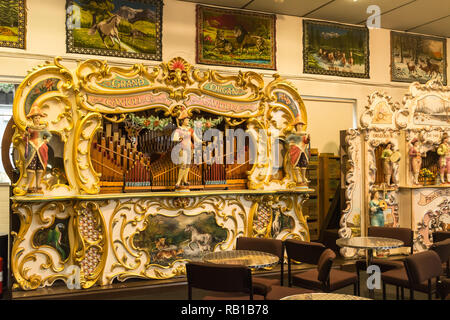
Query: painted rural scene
(12, 23)
(235, 38)
(418, 58)
(167, 239)
(120, 28)
(335, 49)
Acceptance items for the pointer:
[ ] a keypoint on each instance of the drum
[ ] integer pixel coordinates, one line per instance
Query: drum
(383, 205)
(395, 156)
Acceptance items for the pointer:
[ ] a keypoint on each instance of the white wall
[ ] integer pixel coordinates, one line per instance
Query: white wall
(331, 101)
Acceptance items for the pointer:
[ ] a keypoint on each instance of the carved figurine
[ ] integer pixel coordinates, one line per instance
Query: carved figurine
(298, 154)
(390, 158)
(376, 210)
(36, 138)
(415, 156)
(185, 135)
(444, 158)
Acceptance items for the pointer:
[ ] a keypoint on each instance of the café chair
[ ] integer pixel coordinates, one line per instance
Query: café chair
(231, 282)
(324, 278)
(403, 234)
(439, 236)
(302, 251)
(443, 288)
(442, 248)
(423, 270)
(263, 285)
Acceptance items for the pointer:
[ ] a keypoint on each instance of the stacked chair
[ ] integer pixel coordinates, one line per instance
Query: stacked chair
(404, 234)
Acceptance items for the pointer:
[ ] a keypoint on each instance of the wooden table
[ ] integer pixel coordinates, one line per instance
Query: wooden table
(249, 258)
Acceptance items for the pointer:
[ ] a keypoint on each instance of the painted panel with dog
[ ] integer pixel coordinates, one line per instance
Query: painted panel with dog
(167, 239)
(418, 58)
(235, 38)
(122, 28)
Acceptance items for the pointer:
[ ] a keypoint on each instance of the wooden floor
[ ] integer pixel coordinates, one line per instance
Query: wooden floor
(176, 289)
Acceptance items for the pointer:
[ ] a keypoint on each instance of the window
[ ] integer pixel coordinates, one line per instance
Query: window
(7, 91)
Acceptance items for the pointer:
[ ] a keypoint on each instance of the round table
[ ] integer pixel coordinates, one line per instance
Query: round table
(369, 244)
(323, 296)
(249, 258)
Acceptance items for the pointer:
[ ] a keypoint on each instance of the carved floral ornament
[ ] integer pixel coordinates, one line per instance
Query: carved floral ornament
(75, 103)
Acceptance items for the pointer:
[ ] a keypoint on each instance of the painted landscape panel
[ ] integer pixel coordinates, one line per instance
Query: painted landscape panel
(167, 239)
(418, 58)
(121, 28)
(335, 49)
(235, 38)
(12, 23)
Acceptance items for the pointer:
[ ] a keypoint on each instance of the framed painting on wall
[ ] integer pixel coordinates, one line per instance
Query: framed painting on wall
(235, 38)
(418, 58)
(120, 28)
(12, 23)
(335, 49)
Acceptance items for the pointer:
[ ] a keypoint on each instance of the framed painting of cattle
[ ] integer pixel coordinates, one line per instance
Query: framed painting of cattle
(418, 58)
(235, 38)
(12, 23)
(121, 28)
(335, 49)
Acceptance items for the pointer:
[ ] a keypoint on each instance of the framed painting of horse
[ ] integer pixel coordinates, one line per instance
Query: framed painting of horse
(418, 58)
(12, 23)
(235, 38)
(335, 49)
(120, 28)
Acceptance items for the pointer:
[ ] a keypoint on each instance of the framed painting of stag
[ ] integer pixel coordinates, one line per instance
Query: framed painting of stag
(235, 38)
(418, 58)
(335, 49)
(12, 23)
(120, 28)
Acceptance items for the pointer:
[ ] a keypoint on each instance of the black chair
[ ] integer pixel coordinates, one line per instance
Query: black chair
(424, 270)
(442, 248)
(443, 288)
(262, 285)
(302, 251)
(441, 236)
(403, 234)
(323, 278)
(231, 282)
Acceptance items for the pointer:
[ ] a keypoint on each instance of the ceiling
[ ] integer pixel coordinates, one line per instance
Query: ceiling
(430, 17)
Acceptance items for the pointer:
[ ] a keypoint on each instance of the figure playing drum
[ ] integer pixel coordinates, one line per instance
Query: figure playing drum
(444, 158)
(298, 153)
(36, 138)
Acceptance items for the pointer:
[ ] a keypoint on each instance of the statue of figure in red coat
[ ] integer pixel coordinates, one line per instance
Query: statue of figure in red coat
(36, 138)
(297, 157)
